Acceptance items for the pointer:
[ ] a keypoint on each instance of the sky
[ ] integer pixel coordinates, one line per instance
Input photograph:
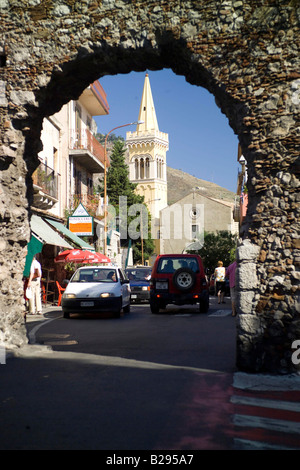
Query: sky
(201, 142)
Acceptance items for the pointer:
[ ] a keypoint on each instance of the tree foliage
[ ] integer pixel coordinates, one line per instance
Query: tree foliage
(218, 247)
(118, 184)
(111, 138)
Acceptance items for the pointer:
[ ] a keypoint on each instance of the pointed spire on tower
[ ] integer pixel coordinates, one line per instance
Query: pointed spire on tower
(147, 112)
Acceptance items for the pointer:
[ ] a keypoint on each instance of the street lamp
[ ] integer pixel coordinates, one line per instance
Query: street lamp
(105, 185)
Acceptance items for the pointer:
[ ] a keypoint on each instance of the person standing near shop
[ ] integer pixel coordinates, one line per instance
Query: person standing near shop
(34, 282)
(220, 281)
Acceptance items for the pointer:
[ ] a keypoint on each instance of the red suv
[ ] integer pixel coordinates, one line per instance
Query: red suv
(178, 279)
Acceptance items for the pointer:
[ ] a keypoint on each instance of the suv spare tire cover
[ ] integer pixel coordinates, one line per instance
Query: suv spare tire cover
(184, 279)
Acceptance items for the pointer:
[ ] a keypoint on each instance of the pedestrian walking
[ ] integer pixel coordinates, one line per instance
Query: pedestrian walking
(34, 283)
(220, 281)
(230, 273)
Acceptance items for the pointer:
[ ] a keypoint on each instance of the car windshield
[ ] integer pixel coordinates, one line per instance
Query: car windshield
(95, 275)
(170, 265)
(139, 274)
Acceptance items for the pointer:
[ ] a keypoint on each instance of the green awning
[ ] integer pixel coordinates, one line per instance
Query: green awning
(45, 233)
(72, 236)
(34, 246)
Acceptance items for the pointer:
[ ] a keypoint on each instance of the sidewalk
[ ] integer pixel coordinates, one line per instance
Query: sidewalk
(41, 317)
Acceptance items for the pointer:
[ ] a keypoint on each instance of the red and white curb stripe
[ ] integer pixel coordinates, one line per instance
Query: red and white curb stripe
(266, 413)
(224, 411)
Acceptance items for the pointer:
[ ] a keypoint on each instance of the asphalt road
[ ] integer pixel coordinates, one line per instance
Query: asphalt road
(142, 382)
(179, 336)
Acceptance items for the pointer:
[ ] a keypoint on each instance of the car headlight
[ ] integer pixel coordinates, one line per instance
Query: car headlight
(145, 288)
(104, 295)
(69, 296)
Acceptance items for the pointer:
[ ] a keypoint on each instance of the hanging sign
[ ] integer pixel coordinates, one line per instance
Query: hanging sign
(80, 222)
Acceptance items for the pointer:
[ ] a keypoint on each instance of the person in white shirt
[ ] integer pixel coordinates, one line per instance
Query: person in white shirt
(220, 281)
(34, 282)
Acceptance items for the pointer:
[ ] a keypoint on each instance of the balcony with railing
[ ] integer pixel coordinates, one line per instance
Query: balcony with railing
(83, 145)
(45, 186)
(91, 202)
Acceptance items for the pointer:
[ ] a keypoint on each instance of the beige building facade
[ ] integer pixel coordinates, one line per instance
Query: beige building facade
(71, 155)
(185, 221)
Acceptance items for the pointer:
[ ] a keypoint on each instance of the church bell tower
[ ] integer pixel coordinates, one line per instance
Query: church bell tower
(147, 148)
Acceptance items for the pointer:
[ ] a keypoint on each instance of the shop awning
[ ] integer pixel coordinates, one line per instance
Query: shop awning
(72, 236)
(34, 246)
(45, 233)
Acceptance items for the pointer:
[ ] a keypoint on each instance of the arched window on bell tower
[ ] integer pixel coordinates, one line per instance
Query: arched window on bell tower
(159, 168)
(136, 168)
(142, 169)
(147, 168)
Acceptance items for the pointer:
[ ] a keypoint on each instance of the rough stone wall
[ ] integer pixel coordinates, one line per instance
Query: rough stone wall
(244, 52)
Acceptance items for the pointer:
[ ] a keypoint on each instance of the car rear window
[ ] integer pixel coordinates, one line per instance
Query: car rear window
(170, 265)
(138, 274)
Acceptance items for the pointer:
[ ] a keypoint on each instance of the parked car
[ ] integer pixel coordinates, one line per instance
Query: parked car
(178, 279)
(95, 289)
(139, 278)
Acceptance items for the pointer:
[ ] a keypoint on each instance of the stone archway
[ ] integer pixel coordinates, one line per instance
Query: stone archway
(245, 53)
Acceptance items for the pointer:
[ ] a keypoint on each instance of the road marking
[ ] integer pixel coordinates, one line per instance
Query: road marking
(54, 335)
(56, 339)
(267, 423)
(244, 444)
(60, 342)
(266, 412)
(266, 403)
(220, 313)
(182, 315)
(265, 382)
(32, 333)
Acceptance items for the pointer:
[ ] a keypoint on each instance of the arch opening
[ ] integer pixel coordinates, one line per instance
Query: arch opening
(142, 169)
(247, 65)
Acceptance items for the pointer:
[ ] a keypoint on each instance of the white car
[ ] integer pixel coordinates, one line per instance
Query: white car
(95, 289)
